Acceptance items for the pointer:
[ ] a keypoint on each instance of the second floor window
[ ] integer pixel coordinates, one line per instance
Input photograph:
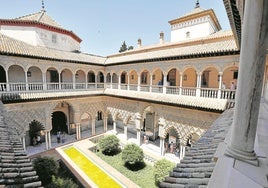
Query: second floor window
(54, 38)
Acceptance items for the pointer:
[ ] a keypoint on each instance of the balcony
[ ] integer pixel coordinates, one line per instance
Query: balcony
(209, 98)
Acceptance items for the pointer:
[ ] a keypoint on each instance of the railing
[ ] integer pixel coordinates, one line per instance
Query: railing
(34, 88)
(133, 87)
(123, 86)
(157, 89)
(173, 90)
(209, 93)
(17, 86)
(188, 91)
(145, 88)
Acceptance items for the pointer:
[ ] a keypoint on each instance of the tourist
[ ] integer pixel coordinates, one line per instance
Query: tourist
(58, 136)
(38, 140)
(223, 86)
(63, 138)
(232, 86)
(34, 141)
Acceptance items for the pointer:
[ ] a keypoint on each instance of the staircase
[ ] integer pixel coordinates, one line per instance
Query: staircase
(195, 169)
(16, 169)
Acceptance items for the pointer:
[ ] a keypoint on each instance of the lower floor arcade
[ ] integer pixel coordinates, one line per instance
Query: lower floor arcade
(169, 128)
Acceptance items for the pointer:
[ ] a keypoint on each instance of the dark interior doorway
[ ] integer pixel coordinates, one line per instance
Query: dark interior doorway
(59, 122)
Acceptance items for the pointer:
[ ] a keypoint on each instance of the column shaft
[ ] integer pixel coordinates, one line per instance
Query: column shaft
(250, 79)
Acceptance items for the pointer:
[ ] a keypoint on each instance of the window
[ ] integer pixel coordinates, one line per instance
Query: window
(188, 34)
(54, 38)
(235, 75)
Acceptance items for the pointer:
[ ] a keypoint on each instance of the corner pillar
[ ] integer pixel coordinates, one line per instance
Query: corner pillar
(250, 79)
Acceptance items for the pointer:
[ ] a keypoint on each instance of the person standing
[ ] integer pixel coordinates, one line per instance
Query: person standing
(58, 137)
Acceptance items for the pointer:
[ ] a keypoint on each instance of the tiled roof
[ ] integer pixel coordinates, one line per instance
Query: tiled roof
(14, 47)
(194, 11)
(182, 100)
(222, 41)
(196, 168)
(41, 17)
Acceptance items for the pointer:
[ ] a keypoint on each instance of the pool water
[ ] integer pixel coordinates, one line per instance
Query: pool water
(97, 175)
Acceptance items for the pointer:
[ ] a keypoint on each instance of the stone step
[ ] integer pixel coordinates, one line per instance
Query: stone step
(192, 170)
(188, 181)
(180, 165)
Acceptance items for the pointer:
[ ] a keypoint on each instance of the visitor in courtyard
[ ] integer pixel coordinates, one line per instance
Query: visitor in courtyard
(63, 138)
(223, 86)
(58, 137)
(171, 147)
(232, 86)
(38, 140)
(34, 141)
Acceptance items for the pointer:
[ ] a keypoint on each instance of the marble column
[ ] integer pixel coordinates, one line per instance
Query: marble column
(23, 143)
(114, 125)
(198, 84)
(151, 83)
(128, 86)
(250, 79)
(181, 84)
(139, 137)
(119, 82)
(49, 139)
(46, 140)
(125, 130)
(162, 146)
(26, 81)
(138, 124)
(44, 78)
(105, 123)
(220, 85)
(165, 84)
(74, 81)
(139, 83)
(93, 127)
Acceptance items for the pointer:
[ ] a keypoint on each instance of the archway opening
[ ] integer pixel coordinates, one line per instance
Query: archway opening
(172, 141)
(59, 122)
(3, 79)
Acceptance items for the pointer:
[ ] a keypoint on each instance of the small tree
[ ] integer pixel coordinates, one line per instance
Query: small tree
(124, 47)
(162, 169)
(58, 182)
(132, 154)
(45, 167)
(109, 145)
(34, 128)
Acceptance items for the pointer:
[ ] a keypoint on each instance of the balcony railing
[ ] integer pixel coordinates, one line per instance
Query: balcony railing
(12, 89)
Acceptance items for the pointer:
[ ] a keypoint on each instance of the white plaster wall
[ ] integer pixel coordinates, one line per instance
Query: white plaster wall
(25, 34)
(198, 27)
(63, 42)
(41, 37)
(196, 31)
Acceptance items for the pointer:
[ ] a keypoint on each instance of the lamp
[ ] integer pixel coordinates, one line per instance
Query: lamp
(29, 74)
(185, 77)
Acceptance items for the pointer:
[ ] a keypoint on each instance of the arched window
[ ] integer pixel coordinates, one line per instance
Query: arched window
(188, 34)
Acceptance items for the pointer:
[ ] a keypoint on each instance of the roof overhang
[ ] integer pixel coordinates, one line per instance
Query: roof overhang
(208, 12)
(234, 9)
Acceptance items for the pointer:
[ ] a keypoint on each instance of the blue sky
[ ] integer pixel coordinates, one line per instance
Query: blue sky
(104, 24)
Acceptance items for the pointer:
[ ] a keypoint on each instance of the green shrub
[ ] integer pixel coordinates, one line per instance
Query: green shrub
(132, 154)
(162, 169)
(45, 167)
(109, 145)
(58, 182)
